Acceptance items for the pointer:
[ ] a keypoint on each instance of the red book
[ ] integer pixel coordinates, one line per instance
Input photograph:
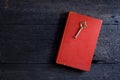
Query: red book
(79, 41)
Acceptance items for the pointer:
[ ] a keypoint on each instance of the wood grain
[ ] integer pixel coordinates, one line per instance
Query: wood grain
(55, 72)
(40, 43)
(30, 34)
(54, 12)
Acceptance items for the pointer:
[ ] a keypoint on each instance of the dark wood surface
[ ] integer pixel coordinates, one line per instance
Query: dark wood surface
(30, 34)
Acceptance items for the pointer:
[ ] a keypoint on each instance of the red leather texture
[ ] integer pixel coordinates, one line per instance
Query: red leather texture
(78, 53)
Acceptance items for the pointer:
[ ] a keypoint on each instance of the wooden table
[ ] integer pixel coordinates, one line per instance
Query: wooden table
(31, 30)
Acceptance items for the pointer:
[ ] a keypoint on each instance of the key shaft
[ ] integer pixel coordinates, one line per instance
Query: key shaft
(82, 26)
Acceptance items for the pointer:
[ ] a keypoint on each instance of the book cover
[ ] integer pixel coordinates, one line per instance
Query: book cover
(79, 41)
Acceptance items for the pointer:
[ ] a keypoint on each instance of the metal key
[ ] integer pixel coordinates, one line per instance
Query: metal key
(82, 26)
